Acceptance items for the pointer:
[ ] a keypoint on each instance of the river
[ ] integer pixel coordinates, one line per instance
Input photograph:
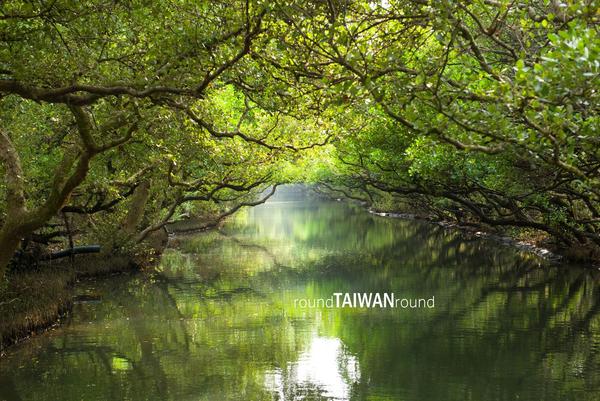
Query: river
(220, 319)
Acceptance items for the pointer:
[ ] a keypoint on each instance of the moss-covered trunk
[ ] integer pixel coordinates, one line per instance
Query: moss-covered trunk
(9, 243)
(137, 207)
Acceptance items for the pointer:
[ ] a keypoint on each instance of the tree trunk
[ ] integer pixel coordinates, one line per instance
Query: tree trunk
(68, 175)
(137, 207)
(15, 201)
(9, 244)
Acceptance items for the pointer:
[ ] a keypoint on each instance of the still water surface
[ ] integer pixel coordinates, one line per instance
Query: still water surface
(218, 322)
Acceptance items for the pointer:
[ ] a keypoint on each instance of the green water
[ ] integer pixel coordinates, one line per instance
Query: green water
(218, 321)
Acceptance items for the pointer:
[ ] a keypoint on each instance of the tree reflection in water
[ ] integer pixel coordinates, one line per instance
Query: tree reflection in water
(217, 321)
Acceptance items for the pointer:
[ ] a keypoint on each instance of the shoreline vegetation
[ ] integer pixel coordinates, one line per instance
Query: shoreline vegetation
(524, 240)
(530, 241)
(37, 293)
(35, 301)
(36, 298)
(536, 247)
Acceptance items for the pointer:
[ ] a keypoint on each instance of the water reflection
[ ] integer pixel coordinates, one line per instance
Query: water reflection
(217, 321)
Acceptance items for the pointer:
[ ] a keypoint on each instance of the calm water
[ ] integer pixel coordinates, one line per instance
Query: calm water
(218, 322)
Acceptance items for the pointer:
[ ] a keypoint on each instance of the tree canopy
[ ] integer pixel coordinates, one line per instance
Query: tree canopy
(123, 117)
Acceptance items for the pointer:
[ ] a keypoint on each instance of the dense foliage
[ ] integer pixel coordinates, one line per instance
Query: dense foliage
(482, 111)
(120, 115)
(118, 118)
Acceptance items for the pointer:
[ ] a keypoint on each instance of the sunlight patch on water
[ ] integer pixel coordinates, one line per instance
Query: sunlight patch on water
(325, 368)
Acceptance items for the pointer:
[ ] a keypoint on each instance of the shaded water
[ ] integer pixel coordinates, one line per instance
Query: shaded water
(218, 322)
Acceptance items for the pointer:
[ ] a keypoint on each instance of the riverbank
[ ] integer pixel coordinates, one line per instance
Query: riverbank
(538, 245)
(36, 300)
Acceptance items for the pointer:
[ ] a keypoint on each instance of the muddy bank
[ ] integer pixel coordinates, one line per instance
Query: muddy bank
(36, 300)
(37, 295)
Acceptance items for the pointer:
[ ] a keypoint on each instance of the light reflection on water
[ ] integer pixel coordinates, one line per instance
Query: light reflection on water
(217, 321)
(325, 368)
